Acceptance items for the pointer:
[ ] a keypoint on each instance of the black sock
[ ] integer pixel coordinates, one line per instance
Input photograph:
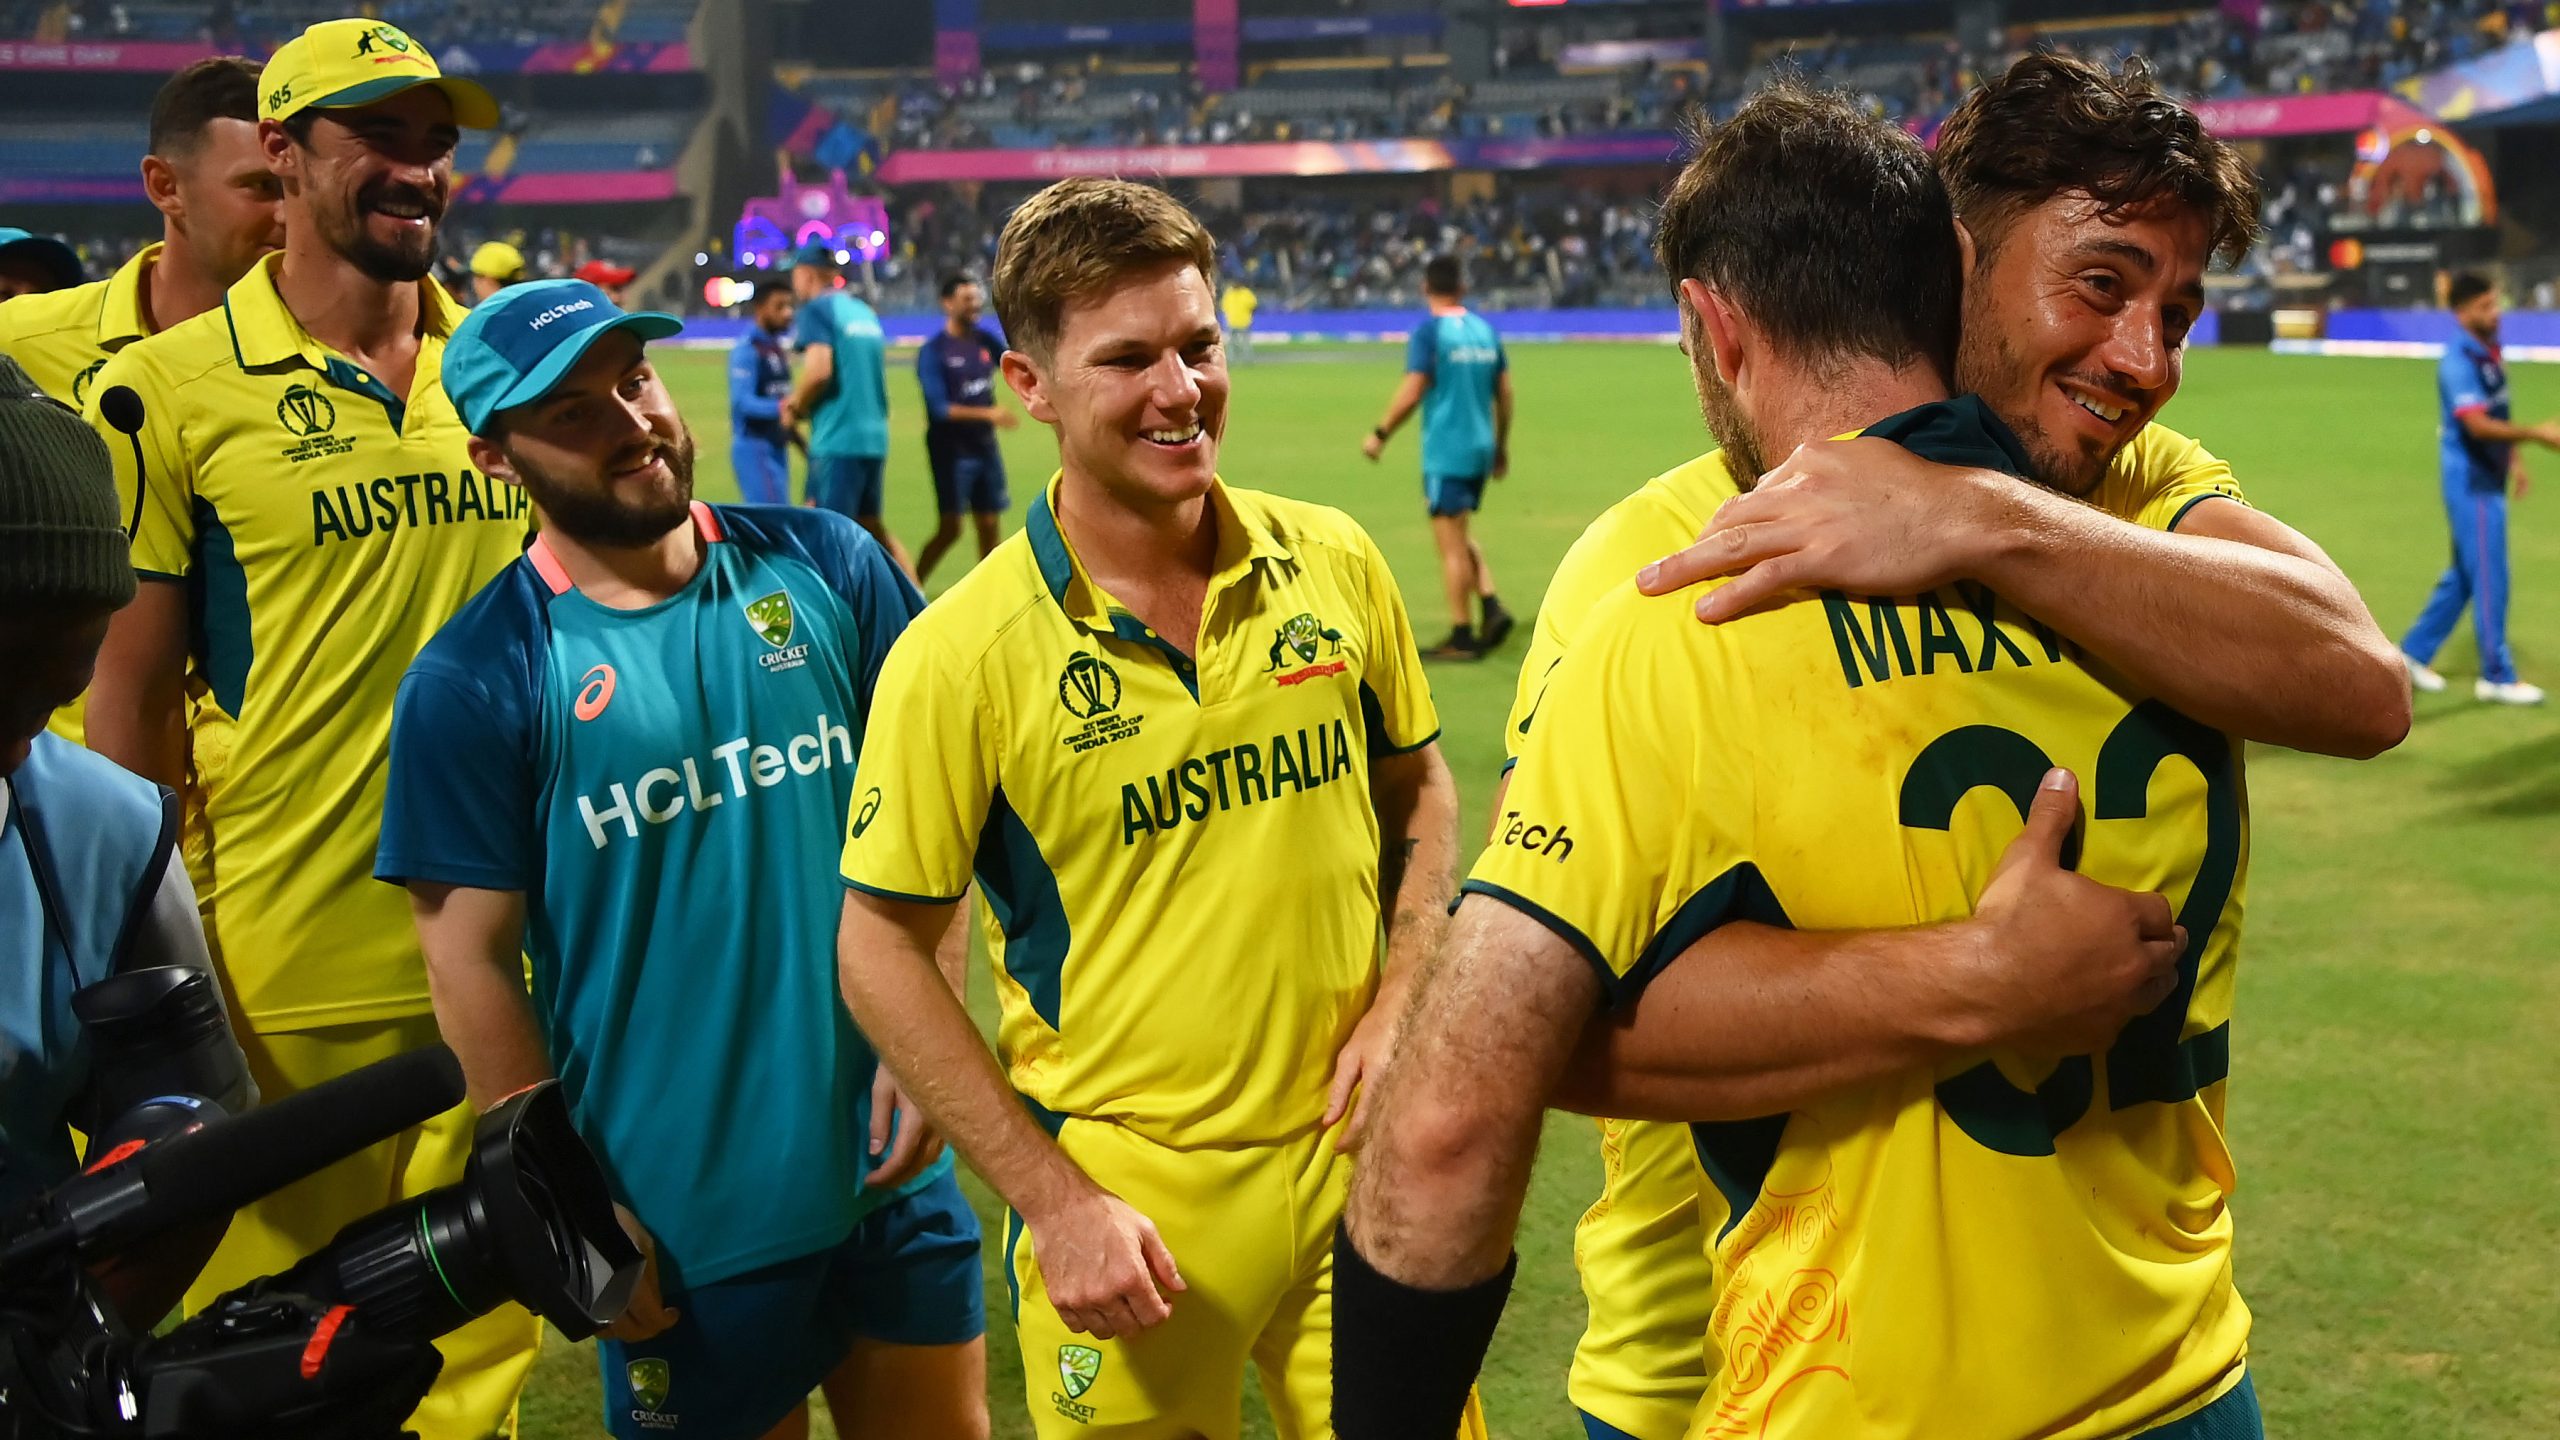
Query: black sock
(1492, 608)
(1461, 634)
(1404, 1358)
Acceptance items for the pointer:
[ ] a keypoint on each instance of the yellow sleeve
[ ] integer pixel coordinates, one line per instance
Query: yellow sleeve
(2162, 475)
(926, 779)
(164, 527)
(1625, 827)
(1605, 557)
(1394, 693)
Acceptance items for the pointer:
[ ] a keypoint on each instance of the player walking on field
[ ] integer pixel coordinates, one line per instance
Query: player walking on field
(219, 213)
(656, 712)
(2479, 440)
(956, 370)
(1869, 1214)
(1457, 374)
(308, 515)
(1179, 733)
(843, 393)
(2133, 566)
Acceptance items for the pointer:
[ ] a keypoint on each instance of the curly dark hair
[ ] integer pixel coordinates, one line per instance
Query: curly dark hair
(1826, 225)
(2054, 125)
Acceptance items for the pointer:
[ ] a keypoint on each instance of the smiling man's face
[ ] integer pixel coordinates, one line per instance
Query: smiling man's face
(2075, 328)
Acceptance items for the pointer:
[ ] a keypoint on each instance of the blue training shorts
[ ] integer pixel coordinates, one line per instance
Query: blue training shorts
(1453, 494)
(850, 485)
(747, 1350)
(970, 482)
(763, 468)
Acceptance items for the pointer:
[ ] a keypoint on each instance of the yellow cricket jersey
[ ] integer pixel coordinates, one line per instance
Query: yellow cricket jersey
(1641, 1363)
(63, 338)
(324, 529)
(1179, 861)
(2010, 1245)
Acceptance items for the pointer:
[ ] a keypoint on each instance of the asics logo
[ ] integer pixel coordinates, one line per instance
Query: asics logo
(595, 692)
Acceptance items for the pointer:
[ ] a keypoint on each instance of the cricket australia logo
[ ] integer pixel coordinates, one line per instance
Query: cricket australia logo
(772, 620)
(1090, 690)
(80, 383)
(1306, 637)
(388, 37)
(650, 1381)
(1078, 1367)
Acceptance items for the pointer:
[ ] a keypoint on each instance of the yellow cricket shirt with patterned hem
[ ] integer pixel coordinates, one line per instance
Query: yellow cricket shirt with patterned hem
(1846, 763)
(63, 338)
(325, 529)
(1179, 862)
(1639, 1248)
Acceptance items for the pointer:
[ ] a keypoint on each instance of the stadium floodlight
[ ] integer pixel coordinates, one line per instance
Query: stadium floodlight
(701, 258)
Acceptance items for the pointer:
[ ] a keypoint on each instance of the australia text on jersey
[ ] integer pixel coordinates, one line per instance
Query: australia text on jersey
(353, 512)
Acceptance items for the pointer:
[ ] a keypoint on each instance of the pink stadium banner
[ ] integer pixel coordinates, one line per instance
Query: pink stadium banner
(148, 56)
(559, 57)
(1306, 157)
(2264, 116)
(582, 187)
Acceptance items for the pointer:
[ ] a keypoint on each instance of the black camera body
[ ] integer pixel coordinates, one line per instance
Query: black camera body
(339, 1347)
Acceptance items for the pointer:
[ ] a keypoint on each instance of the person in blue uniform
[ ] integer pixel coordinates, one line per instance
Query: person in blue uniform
(2476, 455)
(956, 369)
(1455, 372)
(759, 384)
(619, 759)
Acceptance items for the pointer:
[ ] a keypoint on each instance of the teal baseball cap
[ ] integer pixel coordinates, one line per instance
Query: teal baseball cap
(44, 250)
(514, 347)
(818, 253)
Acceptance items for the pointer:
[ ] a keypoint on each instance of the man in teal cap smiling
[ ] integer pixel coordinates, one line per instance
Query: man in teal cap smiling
(621, 758)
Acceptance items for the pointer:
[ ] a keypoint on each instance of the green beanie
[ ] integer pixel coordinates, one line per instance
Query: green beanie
(61, 540)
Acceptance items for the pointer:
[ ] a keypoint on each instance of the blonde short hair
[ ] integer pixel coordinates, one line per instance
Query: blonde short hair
(1076, 239)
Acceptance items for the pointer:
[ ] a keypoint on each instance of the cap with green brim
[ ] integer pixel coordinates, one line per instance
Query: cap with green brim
(342, 64)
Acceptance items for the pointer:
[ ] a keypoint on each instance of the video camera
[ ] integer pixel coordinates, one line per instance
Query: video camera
(339, 1347)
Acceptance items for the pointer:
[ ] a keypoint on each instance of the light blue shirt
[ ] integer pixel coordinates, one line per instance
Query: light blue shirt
(853, 414)
(1462, 358)
(668, 787)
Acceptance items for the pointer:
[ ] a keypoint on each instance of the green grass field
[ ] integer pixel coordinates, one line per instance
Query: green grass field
(2393, 1105)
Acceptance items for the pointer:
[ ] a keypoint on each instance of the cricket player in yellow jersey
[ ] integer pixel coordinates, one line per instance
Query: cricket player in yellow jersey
(219, 213)
(1778, 817)
(1180, 735)
(2295, 658)
(307, 516)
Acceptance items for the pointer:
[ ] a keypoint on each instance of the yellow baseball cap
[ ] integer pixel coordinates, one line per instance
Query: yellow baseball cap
(498, 260)
(341, 64)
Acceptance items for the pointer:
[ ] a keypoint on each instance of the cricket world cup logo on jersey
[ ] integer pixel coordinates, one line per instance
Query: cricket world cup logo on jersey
(1306, 637)
(772, 620)
(1090, 690)
(1078, 1367)
(305, 412)
(650, 1381)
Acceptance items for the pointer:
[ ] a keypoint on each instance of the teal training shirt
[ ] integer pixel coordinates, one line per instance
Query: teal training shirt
(668, 788)
(853, 414)
(1461, 357)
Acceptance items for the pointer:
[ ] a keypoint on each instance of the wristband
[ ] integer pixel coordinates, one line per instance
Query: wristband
(1380, 431)
(1405, 1358)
